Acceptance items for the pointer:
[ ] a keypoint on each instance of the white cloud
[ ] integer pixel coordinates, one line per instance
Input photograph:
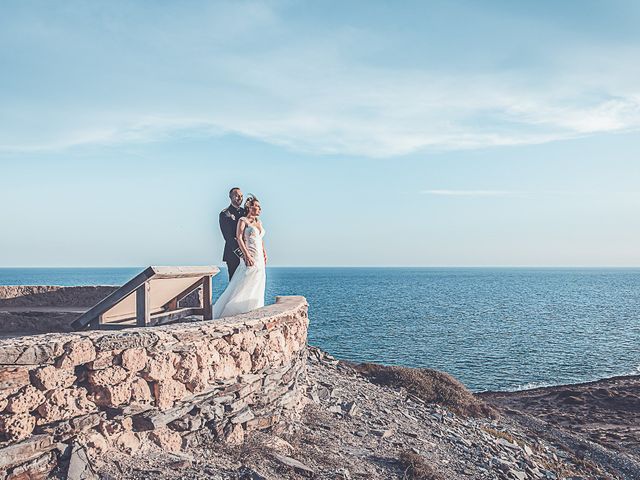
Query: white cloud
(469, 193)
(266, 82)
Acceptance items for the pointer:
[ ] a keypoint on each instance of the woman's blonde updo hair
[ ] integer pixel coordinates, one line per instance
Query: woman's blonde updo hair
(248, 203)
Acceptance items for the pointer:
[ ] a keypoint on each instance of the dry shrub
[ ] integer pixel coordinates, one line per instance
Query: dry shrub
(430, 385)
(499, 434)
(416, 467)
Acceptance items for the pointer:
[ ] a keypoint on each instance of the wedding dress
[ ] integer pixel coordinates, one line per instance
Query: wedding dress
(245, 291)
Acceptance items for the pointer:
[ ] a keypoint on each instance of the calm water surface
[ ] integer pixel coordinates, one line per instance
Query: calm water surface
(495, 329)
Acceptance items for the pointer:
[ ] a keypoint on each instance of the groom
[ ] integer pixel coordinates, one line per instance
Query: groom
(228, 222)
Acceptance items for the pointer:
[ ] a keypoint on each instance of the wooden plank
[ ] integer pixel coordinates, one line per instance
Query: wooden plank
(143, 314)
(117, 296)
(207, 308)
(127, 316)
(159, 319)
(181, 272)
(172, 316)
(116, 326)
(184, 293)
(171, 304)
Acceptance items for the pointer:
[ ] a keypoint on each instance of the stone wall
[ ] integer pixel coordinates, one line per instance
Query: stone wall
(120, 389)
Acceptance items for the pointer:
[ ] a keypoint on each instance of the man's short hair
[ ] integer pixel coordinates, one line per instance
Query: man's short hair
(234, 188)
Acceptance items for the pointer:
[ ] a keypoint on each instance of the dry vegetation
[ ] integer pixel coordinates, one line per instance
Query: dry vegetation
(416, 467)
(429, 385)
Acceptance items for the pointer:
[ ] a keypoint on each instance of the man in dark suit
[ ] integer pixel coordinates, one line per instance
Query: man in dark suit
(228, 222)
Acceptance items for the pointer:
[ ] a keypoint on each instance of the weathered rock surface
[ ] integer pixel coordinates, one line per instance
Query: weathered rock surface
(352, 428)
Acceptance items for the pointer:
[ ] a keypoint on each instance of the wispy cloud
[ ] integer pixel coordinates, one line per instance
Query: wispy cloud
(247, 69)
(469, 193)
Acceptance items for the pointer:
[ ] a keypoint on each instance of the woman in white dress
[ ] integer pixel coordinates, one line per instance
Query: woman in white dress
(245, 291)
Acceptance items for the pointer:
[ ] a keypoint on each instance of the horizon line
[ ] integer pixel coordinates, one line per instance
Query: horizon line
(337, 266)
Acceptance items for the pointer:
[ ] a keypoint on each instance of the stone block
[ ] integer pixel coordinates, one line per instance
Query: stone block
(249, 389)
(262, 423)
(126, 340)
(153, 419)
(103, 360)
(243, 362)
(29, 353)
(128, 442)
(80, 465)
(27, 399)
(188, 423)
(166, 439)
(161, 366)
(221, 346)
(234, 434)
(242, 416)
(107, 376)
(77, 352)
(226, 368)
(134, 359)
(211, 411)
(64, 404)
(50, 378)
(95, 442)
(38, 469)
(140, 391)
(66, 429)
(25, 451)
(17, 427)
(188, 371)
(113, 395)
(166, 392)
(12, 379)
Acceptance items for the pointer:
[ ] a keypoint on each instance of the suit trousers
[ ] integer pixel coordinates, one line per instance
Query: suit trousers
(232, 265)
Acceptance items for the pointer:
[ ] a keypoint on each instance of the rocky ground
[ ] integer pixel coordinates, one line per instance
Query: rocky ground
(353, 427)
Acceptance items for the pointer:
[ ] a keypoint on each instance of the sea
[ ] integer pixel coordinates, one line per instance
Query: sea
(496, 329)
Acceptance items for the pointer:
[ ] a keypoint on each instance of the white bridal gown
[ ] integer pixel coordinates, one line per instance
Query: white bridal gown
(245, 291)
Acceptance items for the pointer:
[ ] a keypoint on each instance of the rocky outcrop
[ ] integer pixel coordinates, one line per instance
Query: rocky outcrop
(114, 390)
(356, 427)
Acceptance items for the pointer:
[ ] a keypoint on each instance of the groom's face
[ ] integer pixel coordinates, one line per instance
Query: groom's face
(236, 197)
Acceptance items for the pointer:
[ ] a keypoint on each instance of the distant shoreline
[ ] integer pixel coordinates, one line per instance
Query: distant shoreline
(605, 411)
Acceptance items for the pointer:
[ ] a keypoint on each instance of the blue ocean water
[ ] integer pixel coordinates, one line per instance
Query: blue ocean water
(494, 329)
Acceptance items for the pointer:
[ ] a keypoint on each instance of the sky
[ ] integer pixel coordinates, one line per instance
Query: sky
(416, 133)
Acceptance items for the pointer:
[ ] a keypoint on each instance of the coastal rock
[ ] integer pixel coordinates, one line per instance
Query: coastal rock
(27, 399)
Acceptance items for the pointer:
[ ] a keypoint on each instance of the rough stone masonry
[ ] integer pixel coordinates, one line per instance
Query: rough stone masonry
(117, 389)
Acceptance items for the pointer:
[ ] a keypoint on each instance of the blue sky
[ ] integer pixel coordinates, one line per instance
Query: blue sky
(375, 133)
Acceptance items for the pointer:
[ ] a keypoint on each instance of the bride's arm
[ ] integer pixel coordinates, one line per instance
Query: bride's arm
(248, 260)
(264, 250)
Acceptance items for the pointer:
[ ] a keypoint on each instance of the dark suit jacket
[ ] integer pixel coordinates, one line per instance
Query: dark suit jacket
(228, 223)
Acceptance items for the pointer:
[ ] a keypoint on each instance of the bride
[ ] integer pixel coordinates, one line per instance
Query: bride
(245, 291)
